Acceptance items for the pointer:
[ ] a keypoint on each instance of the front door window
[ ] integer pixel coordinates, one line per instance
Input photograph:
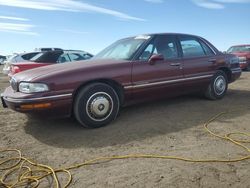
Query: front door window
(164, 45)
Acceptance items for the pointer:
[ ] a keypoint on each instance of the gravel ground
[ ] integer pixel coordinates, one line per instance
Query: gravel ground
(168, 127)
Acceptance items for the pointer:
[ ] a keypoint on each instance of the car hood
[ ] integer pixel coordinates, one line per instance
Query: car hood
(242, 54)
(32, 74)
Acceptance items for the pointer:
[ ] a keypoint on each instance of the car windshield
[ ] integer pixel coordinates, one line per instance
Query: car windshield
(47, 57)
(239, 49)
(123, 49)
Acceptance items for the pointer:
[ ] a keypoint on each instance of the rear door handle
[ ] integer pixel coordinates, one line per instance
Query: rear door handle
(175, 64)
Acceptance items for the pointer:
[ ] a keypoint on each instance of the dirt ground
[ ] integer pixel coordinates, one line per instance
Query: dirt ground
(168, 127)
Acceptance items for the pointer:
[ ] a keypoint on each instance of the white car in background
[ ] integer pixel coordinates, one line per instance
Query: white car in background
(17, 58)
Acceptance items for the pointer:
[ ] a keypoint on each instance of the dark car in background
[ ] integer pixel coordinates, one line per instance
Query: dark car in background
(2, 59)
(17, 58)
(132, 70)
(49, 58)
(243, 52)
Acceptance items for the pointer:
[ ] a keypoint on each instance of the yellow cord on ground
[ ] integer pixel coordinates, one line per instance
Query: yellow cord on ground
(31, 173)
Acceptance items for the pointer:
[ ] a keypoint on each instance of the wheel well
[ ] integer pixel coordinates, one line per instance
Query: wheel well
(227, 72)
(116, 86)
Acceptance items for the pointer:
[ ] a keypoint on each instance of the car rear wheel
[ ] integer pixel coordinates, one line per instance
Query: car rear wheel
(96, 105)
(218, 86)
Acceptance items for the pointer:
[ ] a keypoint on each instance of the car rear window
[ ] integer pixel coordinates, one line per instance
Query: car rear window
(47, 57)
(28, 56)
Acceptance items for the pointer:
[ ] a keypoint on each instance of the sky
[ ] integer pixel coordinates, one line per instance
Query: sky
(92, 25)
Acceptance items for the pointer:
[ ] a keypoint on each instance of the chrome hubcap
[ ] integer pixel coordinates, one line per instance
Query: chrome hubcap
(219, 85)
(99, 106)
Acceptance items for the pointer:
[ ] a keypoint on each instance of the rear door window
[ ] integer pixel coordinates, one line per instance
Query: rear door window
(191, 47)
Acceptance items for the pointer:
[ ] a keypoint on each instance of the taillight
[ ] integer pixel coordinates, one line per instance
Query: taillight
(15, 69)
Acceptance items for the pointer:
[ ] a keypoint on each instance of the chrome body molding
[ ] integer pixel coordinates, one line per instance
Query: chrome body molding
(166, 82)
(20, 100)
(236, 70)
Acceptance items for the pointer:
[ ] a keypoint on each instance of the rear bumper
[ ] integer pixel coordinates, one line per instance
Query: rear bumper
(236, 73)
(54, 105)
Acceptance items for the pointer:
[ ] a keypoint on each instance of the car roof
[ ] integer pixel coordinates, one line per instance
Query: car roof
(155, 34)
(68, 51)
(240, 45)
(53, 51)
(75, 51)
(20, 54)
(65, 51)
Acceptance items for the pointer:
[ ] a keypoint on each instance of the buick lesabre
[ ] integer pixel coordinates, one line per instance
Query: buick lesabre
(132, 70)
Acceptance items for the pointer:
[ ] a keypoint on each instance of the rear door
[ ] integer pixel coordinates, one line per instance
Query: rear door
(156, 80)
(199, 61)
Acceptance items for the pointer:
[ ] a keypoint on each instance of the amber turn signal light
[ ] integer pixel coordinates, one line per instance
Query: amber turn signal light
(35, 106)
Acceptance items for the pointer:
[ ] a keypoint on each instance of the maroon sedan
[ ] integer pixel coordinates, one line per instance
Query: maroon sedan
(243, 52)
(131, 70)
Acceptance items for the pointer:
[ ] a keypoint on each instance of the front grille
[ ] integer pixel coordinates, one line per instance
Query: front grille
(13, 84)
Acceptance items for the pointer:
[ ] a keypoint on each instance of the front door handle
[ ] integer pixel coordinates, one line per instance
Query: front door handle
(175, 64)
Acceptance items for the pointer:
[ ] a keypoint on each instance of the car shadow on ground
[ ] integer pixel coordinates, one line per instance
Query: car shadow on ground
(138, 122)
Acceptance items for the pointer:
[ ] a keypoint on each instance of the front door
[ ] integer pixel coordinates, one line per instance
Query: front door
(159, 78)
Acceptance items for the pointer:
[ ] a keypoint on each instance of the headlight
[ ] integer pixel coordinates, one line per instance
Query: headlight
(26, 87)
(242, 59)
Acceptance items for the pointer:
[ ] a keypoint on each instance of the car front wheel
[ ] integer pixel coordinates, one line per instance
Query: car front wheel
(218, 86)
(96, 105)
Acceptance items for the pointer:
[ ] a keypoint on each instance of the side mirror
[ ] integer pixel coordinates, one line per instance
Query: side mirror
(155, 58)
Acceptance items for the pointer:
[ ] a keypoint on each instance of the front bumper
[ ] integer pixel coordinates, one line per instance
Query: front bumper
(58, 104)
(243, 65)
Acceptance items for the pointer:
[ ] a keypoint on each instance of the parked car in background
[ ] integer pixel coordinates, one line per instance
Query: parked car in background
(48, 58)
(2, 59)
(17, 58)
(134, 69)
(243, 52)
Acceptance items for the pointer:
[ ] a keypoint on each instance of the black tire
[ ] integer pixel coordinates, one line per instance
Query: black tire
(96, 105)
(247, 69)
(218, 86)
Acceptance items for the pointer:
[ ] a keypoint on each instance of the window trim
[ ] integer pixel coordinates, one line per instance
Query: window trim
(139, 52)
(205, 42)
